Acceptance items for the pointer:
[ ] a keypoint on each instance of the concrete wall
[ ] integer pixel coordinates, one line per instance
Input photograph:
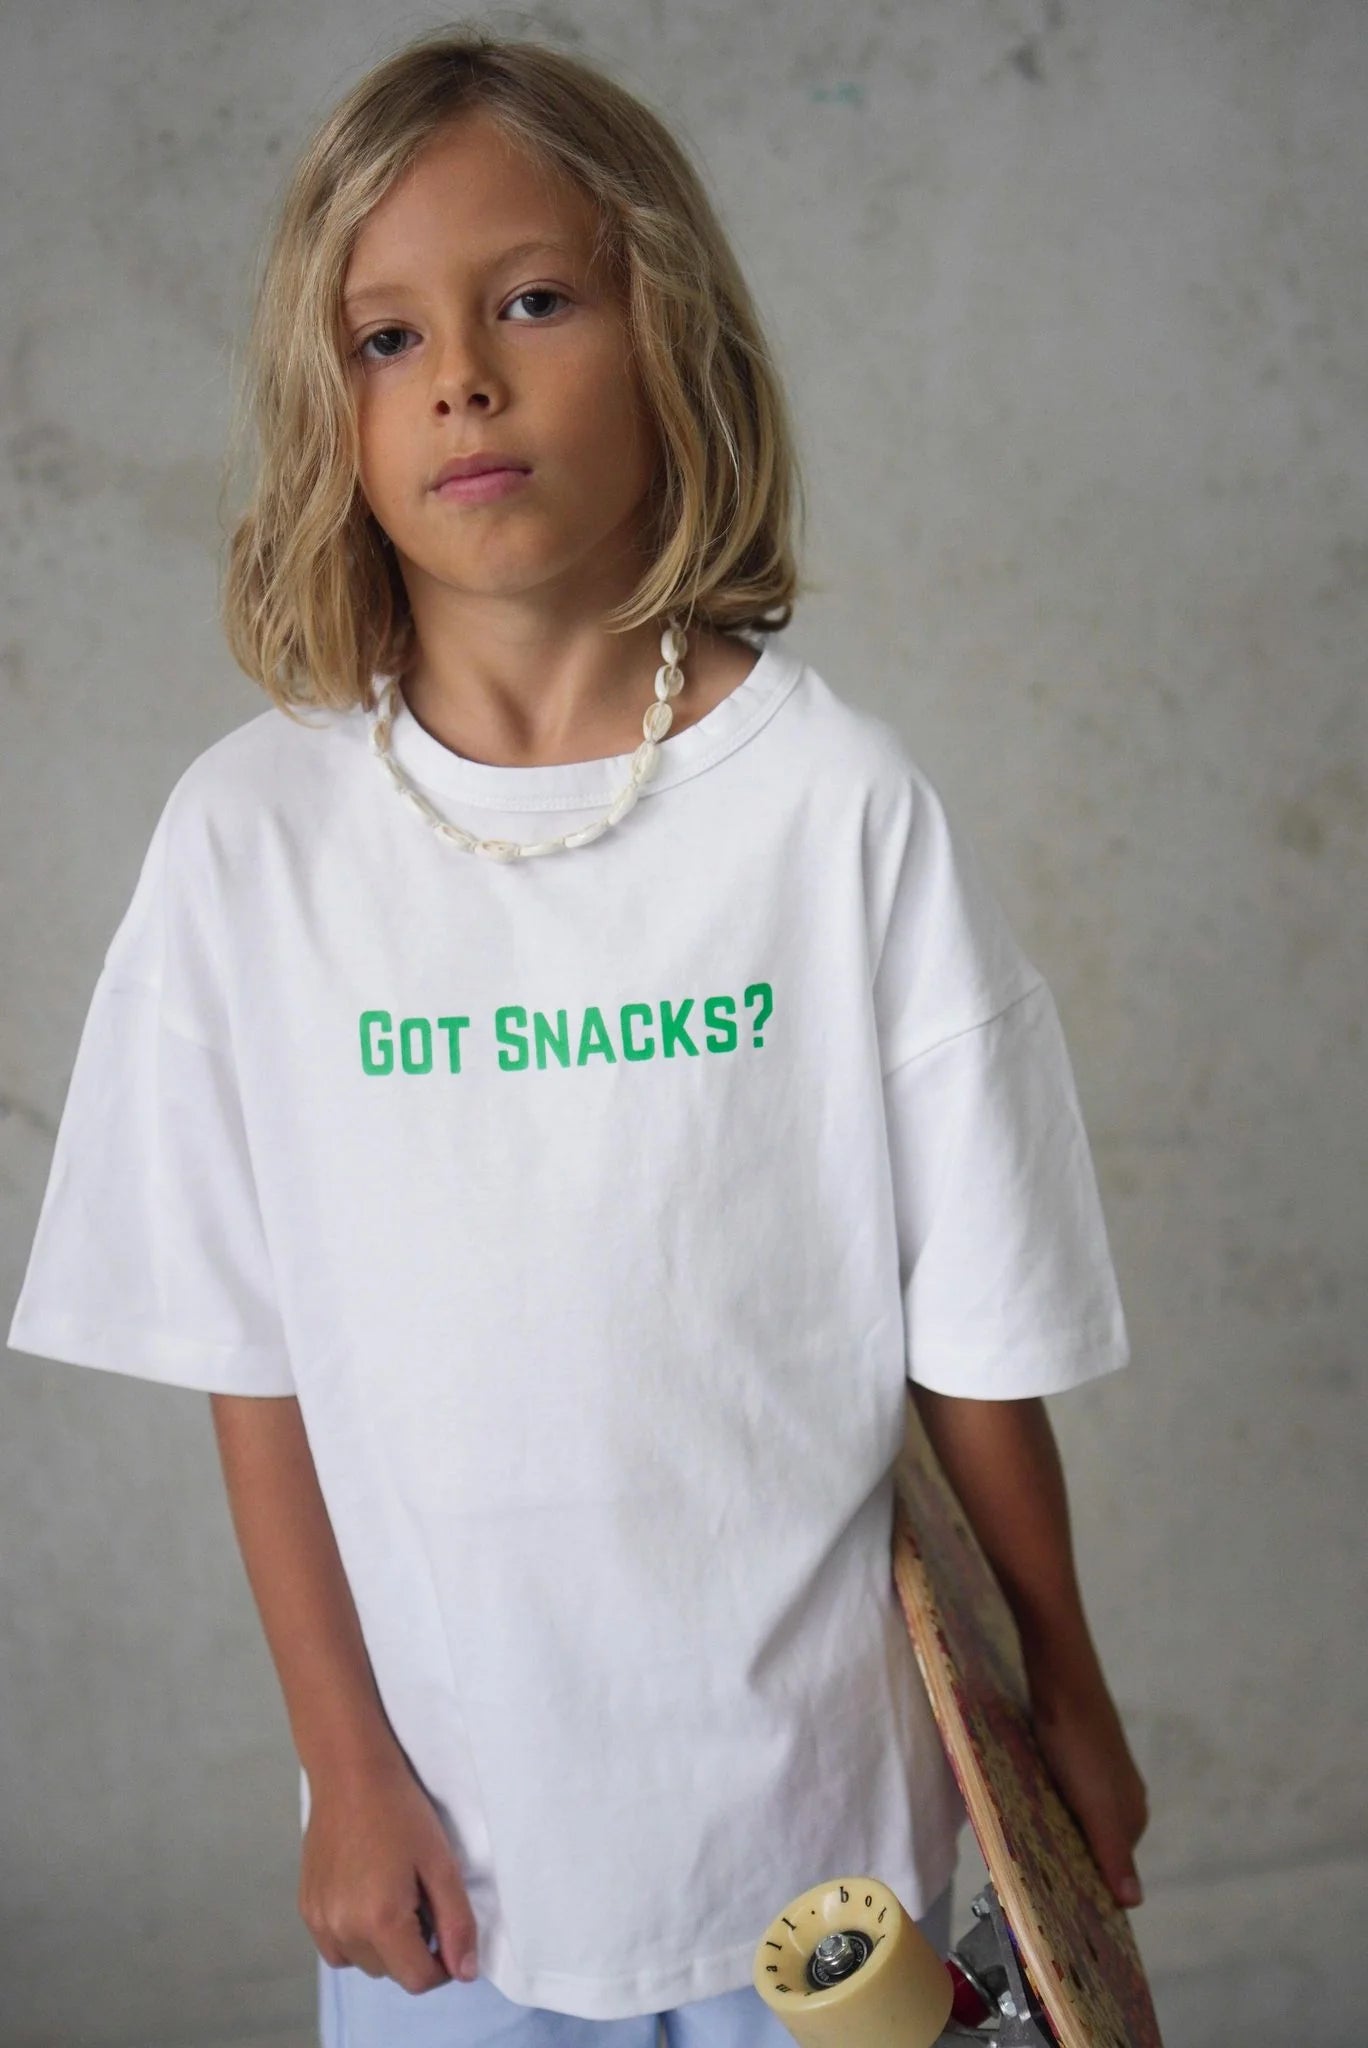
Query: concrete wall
(1072, 298)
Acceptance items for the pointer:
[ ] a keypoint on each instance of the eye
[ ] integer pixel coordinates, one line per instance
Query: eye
(536, 291)
(544, 291)
(380, 332)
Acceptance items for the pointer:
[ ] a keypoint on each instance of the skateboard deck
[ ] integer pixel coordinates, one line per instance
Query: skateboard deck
(1052, 1959)
(1080, 1956)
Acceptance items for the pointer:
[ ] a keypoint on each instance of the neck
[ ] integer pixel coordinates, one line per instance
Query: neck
(580, 702)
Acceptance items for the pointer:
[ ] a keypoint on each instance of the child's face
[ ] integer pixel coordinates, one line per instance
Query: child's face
(453, 362)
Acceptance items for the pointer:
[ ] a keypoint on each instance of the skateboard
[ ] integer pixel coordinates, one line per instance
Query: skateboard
(1050, 1961)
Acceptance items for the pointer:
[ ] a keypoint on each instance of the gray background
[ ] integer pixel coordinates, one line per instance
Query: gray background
(1072, 302)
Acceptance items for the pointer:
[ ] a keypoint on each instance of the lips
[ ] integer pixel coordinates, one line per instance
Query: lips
(476, 465)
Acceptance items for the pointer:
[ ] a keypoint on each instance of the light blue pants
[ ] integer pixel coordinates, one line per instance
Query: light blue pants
(358, 2011)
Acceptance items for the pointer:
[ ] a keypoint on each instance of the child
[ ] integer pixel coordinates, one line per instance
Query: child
(556, 1119)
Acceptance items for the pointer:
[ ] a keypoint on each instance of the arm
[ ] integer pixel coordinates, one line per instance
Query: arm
(299, 1584)
(376, 1857)
(1003, 1463)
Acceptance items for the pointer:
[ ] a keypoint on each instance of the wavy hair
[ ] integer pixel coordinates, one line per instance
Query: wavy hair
(313, 603)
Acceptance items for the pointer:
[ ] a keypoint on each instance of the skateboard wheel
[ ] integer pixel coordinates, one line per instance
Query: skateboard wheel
(843, 1966)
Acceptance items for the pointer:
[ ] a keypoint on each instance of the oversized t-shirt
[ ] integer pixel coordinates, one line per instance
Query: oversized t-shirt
(597, 1208)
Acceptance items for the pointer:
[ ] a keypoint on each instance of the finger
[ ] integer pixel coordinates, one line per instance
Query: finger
(1119, 1873)
(332, 1952)
(425, 1925)
(409, 1960)
(361, 1955)
(449, 1911)
(1112, 1854)
(437, 1948)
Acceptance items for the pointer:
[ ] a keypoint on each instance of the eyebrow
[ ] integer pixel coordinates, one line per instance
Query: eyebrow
(366, 292)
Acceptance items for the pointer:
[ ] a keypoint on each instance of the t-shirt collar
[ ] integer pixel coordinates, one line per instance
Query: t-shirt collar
(564, 784)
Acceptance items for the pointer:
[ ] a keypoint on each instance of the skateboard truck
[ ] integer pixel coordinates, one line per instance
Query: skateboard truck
(989, 1979)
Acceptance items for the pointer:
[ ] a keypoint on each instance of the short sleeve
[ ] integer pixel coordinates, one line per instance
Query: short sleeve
(150, 1256)
(947, 955)
(1006, 1271)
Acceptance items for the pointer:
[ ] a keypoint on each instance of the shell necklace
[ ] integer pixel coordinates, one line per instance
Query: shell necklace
(669, 682)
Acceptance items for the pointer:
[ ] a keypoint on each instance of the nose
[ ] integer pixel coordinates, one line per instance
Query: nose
(464, 375)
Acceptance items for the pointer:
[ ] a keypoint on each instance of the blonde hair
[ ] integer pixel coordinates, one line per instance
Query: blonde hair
(313, 604)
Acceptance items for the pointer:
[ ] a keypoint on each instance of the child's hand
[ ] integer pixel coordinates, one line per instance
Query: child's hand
(375, 1855)
(1081, 1738)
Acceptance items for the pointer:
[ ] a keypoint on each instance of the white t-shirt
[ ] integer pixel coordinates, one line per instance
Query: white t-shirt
(597, 1208)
